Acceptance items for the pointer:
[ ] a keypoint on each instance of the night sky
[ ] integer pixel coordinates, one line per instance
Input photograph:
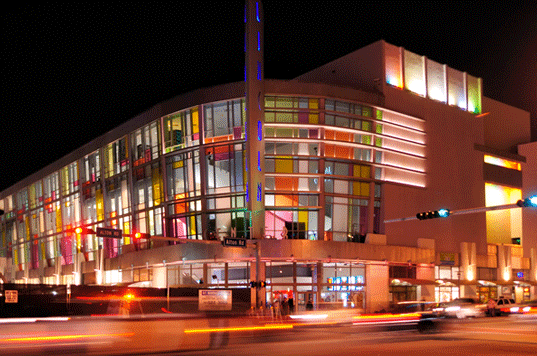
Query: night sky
(73, 71)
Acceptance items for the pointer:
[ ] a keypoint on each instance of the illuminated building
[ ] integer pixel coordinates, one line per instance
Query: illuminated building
(316, 169)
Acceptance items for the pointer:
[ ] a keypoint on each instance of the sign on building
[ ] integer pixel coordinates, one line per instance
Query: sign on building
(12, 296)
(214, 299)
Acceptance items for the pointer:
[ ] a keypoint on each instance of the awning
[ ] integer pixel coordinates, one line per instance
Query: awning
(411, 281)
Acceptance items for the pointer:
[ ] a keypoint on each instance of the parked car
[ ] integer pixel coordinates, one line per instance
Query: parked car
(503, 306)
(461, 308)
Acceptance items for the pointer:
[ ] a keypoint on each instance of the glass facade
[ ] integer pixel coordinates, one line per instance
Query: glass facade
(183, 176)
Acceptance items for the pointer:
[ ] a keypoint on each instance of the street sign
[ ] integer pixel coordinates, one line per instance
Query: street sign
(234, 242)
(107, 232)
(12, 296)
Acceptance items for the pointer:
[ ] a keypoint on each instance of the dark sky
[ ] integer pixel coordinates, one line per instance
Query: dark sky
(73, 71)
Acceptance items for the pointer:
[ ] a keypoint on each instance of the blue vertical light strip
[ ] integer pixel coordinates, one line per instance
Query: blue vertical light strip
(259, 70)
(259, 161)
(247, 193)
(258, 41)
(259, 192)
(257, 11)
(259, 130)
(245, 12)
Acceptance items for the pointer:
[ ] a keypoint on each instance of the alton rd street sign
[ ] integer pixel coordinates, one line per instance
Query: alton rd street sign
(234, 242)
(107, 232)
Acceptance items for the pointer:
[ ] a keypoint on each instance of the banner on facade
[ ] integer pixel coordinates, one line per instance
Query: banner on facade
(214, 300)
(447, 259)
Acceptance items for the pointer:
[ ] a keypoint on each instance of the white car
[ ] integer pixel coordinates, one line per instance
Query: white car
(505, 306)
(462, 308)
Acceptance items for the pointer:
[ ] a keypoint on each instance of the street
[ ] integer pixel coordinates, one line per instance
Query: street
(246, 336)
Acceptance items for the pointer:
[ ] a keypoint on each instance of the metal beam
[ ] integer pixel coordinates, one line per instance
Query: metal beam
(462, 211)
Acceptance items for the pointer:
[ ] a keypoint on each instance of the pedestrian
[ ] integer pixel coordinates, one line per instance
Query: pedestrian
(491, 307)
(276, 309)
(285, 307)
(309, 305)
(291, 305)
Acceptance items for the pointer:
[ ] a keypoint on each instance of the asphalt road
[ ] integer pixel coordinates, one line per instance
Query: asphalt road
(485, 336)
(196, 336)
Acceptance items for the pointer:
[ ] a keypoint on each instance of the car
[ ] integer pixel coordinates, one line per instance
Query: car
(528, 309)
(461, 308)
(503, 306)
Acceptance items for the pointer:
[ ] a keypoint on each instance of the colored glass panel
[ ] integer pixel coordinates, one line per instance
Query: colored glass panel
(456, 90)
(436, 81)
(283, 165)
(394, 74)
(414, 70)
(474, 94)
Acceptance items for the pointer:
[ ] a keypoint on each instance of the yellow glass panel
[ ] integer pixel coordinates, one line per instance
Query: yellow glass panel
(156, 181)
(313, 103)
(284, 117)
(364, 189)
(355, 188)
(27, 227)
(42, 248)
(99, 204)
(192, 225)
(58, 219)
(356, 169)
(314, 118)
(303, 217)
(365, 171)
(284, 165)
(126, 230)
(177, 164)
(195, 121)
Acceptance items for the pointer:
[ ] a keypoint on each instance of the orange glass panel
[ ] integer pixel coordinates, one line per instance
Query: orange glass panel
(329, 150)
(343, 152)
(344, 136)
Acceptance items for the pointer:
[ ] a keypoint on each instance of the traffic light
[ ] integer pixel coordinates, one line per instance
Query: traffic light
(442, 213)
(80, 230)
(139, 235)
(528, 202)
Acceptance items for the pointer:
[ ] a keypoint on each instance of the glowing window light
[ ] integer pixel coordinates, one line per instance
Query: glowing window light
(501, 195)
(496, 161)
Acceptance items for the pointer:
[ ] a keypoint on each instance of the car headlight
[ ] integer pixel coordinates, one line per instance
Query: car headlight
(514, 309)
(526, 309)
(452, 309)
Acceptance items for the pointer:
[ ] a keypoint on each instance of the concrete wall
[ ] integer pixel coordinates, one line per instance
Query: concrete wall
(454, 177)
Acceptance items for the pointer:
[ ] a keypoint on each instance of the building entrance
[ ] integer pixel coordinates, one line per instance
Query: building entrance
(306, 301)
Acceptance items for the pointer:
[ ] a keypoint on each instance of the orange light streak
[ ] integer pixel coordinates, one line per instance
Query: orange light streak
(245, 328)
(62, 337)
(387, 317)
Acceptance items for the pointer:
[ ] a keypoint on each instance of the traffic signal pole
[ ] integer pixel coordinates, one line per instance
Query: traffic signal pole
(463, 211)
